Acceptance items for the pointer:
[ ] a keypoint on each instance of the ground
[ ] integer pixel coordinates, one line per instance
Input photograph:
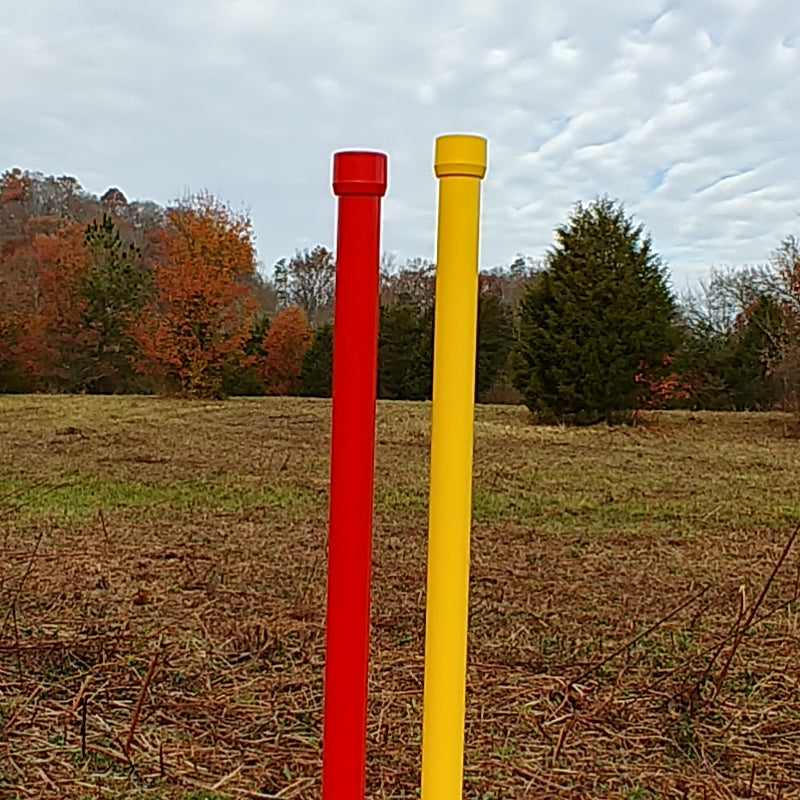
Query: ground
(634, 630)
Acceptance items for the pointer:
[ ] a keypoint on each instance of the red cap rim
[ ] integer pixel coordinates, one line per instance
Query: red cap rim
(360, 172)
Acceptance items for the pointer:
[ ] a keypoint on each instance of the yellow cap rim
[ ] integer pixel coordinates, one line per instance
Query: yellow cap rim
(460, 154)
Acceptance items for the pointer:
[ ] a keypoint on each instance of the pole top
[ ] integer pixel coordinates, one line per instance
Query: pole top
(359, 172)
(460, 155)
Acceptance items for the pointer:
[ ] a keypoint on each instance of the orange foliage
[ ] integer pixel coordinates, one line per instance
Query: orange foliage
(661, 387)
(18, 294)
(285, 345)
(46, 274)
(13, 185)
(197, 327)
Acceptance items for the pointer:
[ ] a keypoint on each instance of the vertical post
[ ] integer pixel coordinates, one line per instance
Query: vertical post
(460, 164)
(359, 181)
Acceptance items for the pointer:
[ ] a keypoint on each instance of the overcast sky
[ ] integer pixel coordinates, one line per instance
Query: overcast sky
(686, 111)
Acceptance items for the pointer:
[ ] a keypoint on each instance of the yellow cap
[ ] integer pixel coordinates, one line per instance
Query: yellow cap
(460, 155)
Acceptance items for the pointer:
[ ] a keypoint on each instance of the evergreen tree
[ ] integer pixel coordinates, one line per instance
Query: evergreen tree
(316, 376)
(495, 340)
(243, 379)
(116, 288)
(744, 362)
(733, 333)
(405, 352)
(600, 310)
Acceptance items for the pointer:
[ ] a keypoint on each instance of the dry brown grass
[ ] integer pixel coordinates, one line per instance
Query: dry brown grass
(162, 584)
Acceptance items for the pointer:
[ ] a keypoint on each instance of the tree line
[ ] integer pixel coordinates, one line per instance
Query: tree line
(103, 295)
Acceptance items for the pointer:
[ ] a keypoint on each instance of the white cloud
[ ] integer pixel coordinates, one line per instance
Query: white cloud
(685, 111)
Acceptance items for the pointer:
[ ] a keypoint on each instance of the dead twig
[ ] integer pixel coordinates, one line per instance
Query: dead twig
(743, 629)
(140, 702)
(83, 726)
(695, 693)
(622, 648)
(21, 583)
(562, 735)
(16, 640)
(12, 718)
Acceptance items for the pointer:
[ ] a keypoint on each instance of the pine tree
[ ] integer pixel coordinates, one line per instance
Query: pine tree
(115, 291)
(495, 340)
(316, 376)
(244, 378)
(405, 352)
(600, 310)
(745, 363)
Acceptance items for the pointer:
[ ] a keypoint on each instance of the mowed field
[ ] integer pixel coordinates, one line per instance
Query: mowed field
(635, 608)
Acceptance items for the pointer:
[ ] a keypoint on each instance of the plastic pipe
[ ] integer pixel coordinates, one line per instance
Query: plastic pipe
(359, 181)
(460, 165)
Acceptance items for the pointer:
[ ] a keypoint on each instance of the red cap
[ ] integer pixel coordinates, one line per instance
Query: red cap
(358, 172)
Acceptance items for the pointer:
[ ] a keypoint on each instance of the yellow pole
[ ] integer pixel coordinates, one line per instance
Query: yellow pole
(460, 164)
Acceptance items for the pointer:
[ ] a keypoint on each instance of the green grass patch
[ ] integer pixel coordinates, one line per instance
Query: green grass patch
(81, 496)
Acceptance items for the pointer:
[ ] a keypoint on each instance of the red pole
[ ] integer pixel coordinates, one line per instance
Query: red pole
(359, 181)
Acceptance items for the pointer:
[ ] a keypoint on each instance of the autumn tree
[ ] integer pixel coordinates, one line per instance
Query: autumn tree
(285, 346)
(196, 328)
(52, 345)
(19, 300)
(18, 274)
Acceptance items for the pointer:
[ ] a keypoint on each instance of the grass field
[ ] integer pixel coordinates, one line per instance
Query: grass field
(631, 636)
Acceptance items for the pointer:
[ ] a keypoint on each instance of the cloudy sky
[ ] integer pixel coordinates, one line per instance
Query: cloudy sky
(688, 111)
